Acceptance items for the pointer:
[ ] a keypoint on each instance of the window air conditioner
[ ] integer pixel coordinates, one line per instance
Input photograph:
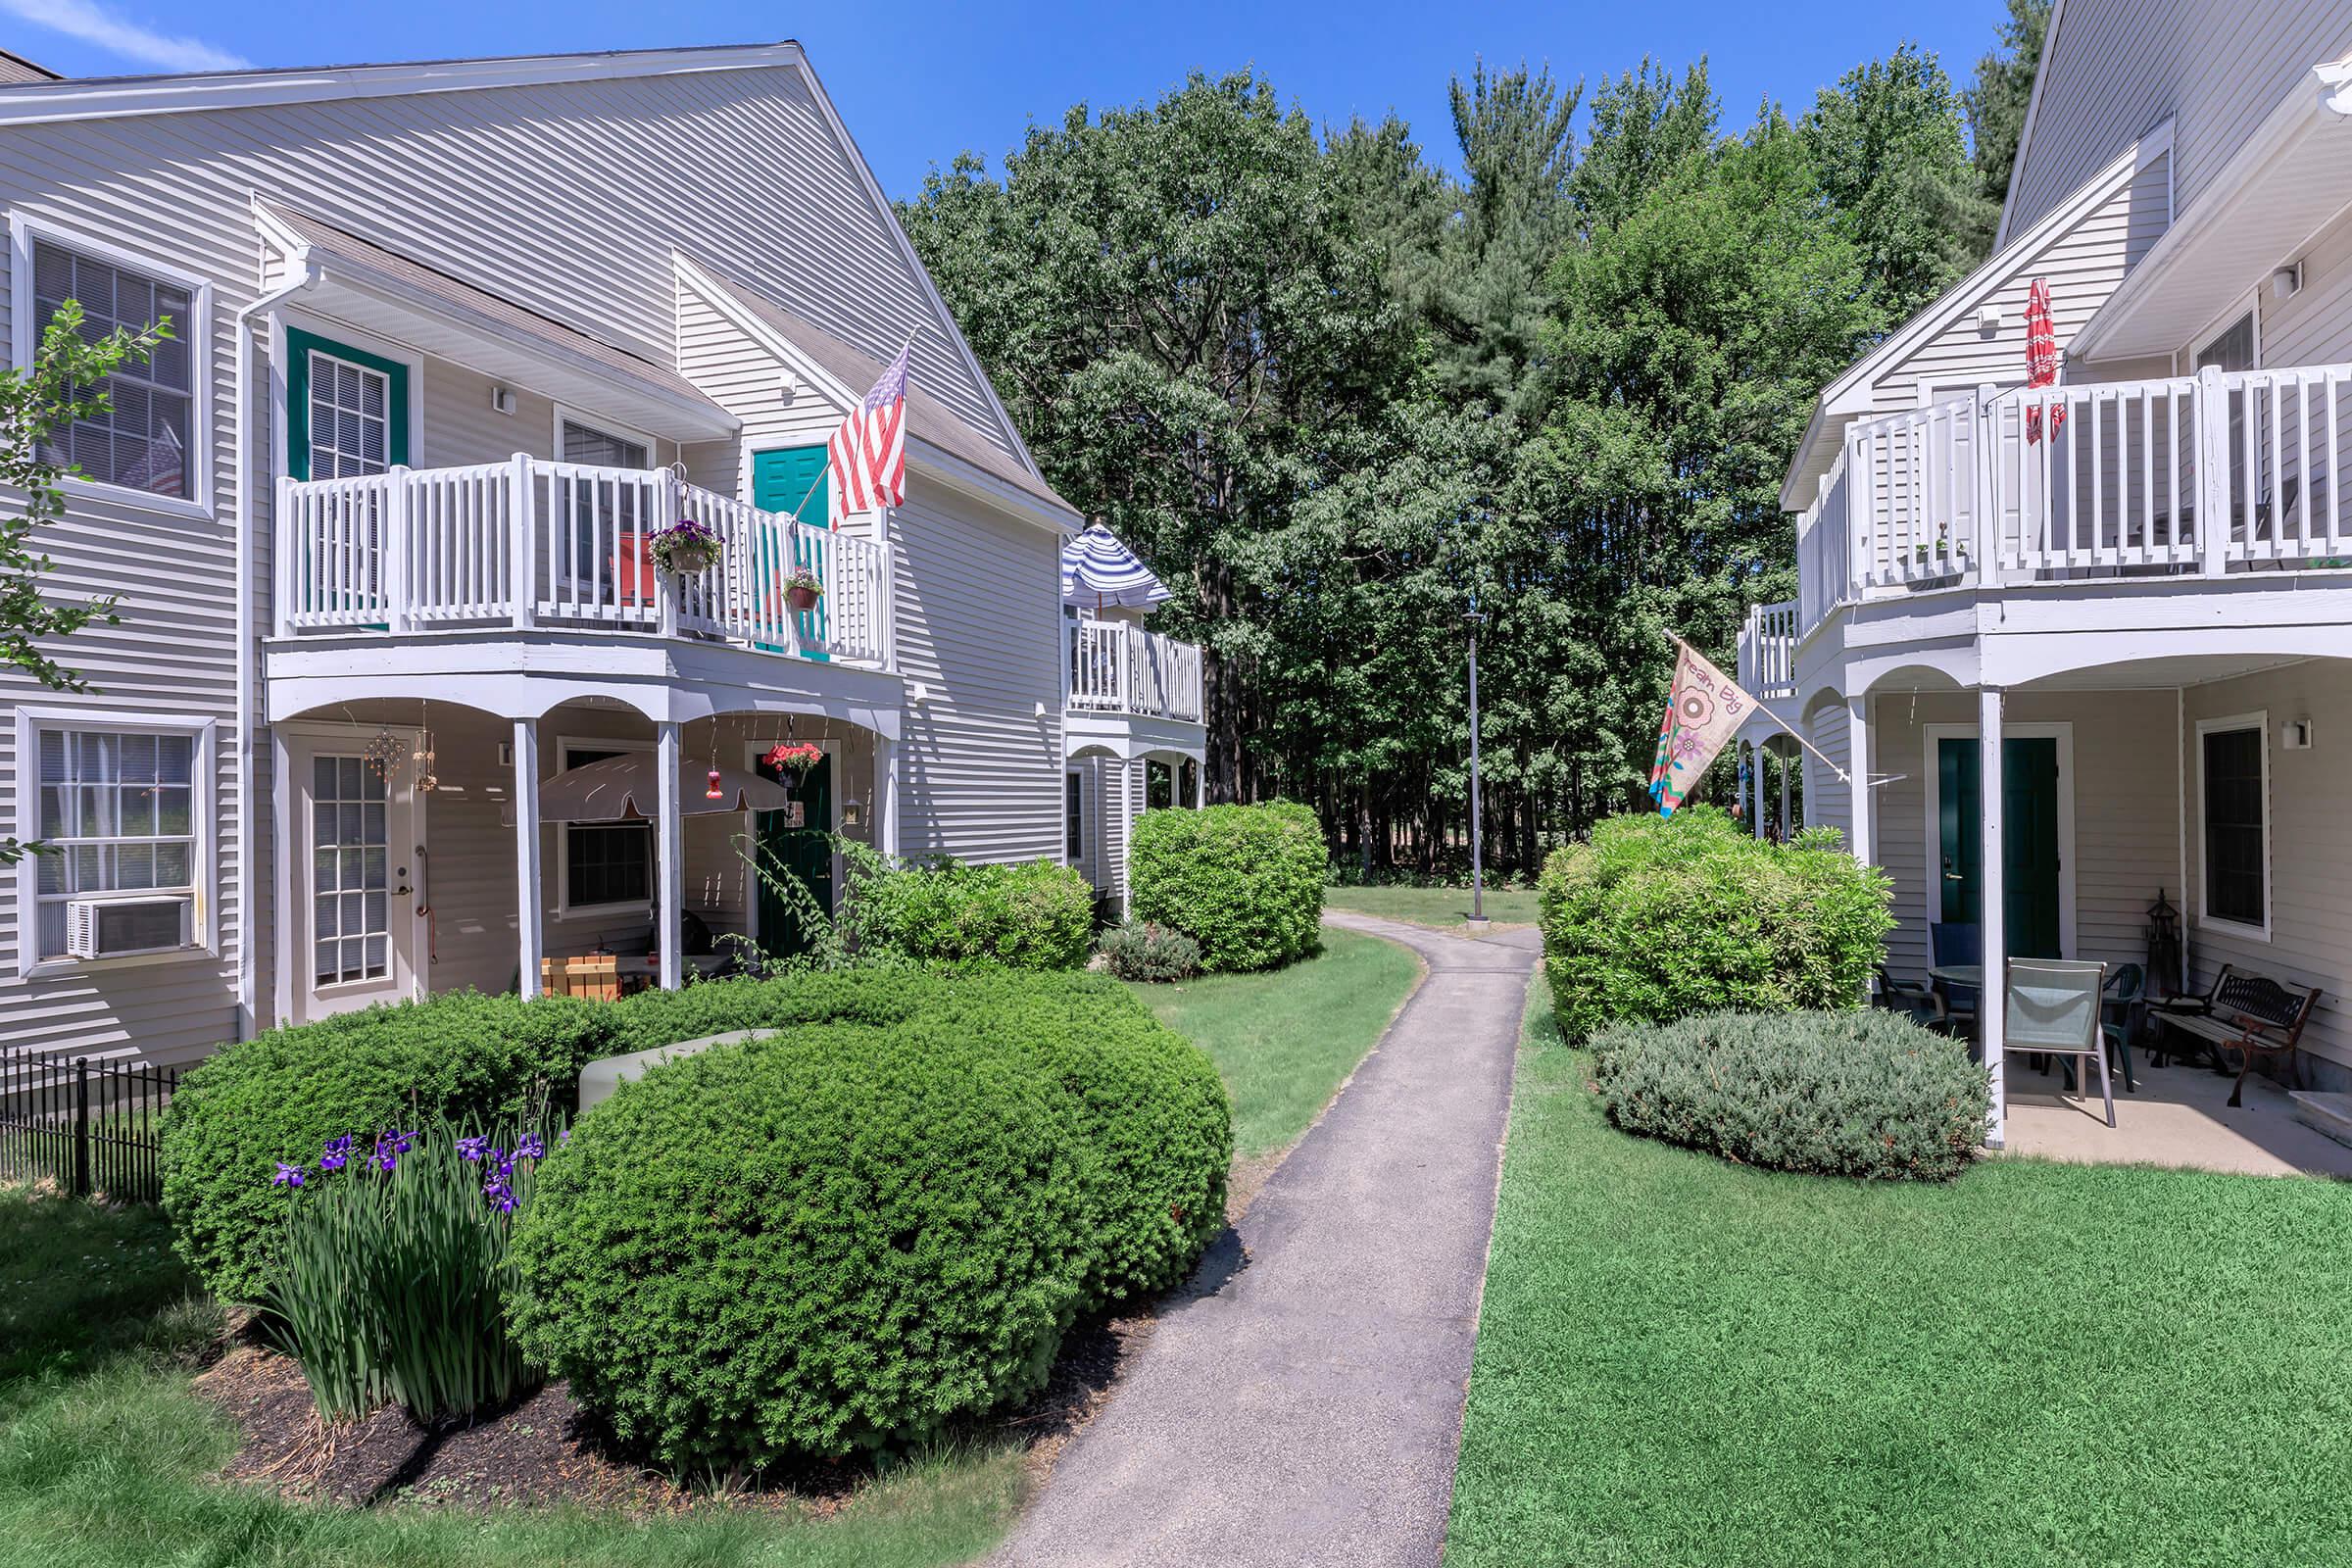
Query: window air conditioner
(108, 928)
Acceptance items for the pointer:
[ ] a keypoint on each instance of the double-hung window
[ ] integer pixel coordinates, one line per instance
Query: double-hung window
(2234, 794)
(606, 865)
(119, 814)
(146, 438)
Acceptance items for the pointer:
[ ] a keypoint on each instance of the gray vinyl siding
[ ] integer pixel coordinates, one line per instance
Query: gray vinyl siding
(1828, 799)
(2310, 845)
(2315, 326)
(568, 199)
(2115, 70)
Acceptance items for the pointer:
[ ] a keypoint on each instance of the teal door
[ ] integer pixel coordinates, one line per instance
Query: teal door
(792, 483)
(2029, 840)
(802, 856)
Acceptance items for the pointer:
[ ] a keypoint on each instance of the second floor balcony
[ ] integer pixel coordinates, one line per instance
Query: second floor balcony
(1118, 668)
(2210, 475)
(531, 544)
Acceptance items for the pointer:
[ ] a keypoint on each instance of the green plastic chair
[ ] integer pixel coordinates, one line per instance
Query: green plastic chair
(2053, 1009)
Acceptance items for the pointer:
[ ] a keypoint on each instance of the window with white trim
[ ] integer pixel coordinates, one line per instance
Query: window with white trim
(116, 814)
(141, 441)
(606, 865)
(2233, 803)
(351, 418)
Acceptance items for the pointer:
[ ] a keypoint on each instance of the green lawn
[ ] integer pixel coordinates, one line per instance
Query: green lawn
(1681, 1361)
(1435, 907)
(1286, 1040)
(104, 1450)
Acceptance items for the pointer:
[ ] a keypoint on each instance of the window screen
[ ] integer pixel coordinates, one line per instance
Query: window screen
(2234, 873)
(140, 441)
(1073, 830)
(116, 811)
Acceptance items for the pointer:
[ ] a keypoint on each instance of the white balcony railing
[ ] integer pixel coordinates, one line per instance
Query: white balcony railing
(1118, 668)
(529, 543)
(1768, 650)
(2205, 475)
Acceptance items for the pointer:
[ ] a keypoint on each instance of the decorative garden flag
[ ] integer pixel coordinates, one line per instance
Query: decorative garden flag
(1702, 711)
(867, 455)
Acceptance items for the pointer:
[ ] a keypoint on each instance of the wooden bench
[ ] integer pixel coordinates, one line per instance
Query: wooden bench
(2250, 1014)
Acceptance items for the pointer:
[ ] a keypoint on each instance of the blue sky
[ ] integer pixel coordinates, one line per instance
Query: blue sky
(934, 79)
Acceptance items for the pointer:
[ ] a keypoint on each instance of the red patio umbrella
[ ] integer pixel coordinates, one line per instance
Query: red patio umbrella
(2041, 358)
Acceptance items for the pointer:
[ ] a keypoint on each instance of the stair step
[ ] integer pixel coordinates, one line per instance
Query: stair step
(2331, 1113)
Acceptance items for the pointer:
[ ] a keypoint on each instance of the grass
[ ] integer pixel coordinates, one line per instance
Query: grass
(105, 1452)
(1441, 908)
(1287, 1039)
(1681, 1361)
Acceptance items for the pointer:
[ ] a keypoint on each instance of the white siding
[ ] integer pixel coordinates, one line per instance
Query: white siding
(2117, 68)
(2315, 326)
(1829, 801)
(2310, 845)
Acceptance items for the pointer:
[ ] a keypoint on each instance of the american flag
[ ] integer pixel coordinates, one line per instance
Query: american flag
(866, 458)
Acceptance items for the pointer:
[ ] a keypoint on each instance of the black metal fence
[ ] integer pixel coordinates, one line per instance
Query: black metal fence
(88, 1124)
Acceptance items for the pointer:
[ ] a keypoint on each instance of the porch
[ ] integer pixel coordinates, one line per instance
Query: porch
(2178, 1115)
(433, 862)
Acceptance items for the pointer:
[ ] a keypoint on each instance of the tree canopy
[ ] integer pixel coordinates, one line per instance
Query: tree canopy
(1342, 398)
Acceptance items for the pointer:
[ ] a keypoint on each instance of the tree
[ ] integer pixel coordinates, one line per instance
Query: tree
(65, 382)
(1998, 96)
(1193, 332)
(1886, 146)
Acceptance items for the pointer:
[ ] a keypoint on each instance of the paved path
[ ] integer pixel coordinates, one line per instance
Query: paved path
(1303, 1406)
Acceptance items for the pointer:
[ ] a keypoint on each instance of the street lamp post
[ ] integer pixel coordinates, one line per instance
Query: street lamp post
(1478, 836)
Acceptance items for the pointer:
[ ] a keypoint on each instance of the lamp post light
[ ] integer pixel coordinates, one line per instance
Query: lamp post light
(1478, 837)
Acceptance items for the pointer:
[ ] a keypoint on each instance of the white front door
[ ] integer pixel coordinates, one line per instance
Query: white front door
(357, 860)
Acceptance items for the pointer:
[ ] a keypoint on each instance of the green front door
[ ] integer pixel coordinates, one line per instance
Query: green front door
(793, 482)
(804, 855)
(2029, 840)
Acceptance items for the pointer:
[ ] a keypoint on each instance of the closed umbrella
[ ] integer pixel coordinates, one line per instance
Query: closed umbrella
(2042, 359)
(1096, 565)
(626, 786)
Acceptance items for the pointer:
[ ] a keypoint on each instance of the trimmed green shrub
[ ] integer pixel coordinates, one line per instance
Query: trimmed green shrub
(1246, 882)
(1866, 1093)
(285, 1093)
(1660, 917)
(832, 1239)
(1036, 915)
(1142, 950)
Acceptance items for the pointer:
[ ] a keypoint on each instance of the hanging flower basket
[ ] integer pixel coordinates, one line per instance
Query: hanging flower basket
(686, 549)
(802, 589)
(794, 757)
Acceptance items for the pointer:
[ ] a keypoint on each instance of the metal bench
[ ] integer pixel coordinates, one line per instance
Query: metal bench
(2250, 1014)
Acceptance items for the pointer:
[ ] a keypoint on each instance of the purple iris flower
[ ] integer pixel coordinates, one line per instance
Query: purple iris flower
(336, 1151)
(563, 1137)
(472, 1148)
(287, 1175)
(530, 1147)
(386, 1156)
(501, 1196)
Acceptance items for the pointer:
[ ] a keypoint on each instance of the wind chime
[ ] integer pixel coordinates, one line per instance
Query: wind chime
(423, 758)
(384, 754)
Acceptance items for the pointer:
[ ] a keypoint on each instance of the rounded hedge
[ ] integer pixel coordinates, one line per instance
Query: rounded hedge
(1865, 1093)
(1033, 914)
(1246, 882)
(1660, 917)
(282, 1093)
(822, 1240)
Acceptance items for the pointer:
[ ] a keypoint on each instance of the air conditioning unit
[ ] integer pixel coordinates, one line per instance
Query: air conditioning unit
(110, 928)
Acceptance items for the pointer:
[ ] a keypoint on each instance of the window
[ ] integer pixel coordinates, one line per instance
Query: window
(580, 507)
(351, 417)
(351, 903)
(581, 443)
(1159, 785)
(2233, 349)
(606, 864)
(1073, 822)
(2234, 791)
(121, 811)
(142, 441)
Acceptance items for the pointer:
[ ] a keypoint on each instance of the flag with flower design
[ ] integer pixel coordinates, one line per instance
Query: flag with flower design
(1704, 710)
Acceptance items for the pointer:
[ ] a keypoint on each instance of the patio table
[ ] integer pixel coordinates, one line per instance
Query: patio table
(1959, 974)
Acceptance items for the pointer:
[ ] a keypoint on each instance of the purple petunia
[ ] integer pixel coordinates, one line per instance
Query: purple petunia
(287, 1175)
(471, 1148)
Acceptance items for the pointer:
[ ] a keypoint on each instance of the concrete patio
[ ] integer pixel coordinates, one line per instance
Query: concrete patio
(2179, 1116)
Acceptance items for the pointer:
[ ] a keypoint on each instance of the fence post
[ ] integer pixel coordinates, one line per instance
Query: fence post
(1987, 435)
(2213, 471)
(398, 611)
(668, 586)
(522, 542)
(81, 1126)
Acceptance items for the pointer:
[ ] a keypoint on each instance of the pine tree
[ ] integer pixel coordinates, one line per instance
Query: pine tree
(1997, 98)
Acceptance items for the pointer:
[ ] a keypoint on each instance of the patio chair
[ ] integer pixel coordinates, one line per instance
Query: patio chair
(2120, 1007)
(2053, 1009)
(1958, 942)
(1915, 1003)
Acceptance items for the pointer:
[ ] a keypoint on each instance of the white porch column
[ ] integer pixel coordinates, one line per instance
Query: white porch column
(1993, 1001)
(670, 852)
(1857, 762)
(886, 796)
(527, 897)
(1200, 782)
(283, 795)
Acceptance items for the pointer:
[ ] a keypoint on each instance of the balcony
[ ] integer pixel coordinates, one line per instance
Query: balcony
(532, 545)
(1118, 668)
(2209, 476)
(1768, 651)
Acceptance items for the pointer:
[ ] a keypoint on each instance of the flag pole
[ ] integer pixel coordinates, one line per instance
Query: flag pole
(907, 347)
(1843, 777)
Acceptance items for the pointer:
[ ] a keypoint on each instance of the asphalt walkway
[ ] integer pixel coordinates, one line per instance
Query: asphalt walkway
(1302, 1403)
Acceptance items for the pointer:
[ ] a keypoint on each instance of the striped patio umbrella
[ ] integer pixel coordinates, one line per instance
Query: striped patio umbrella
(1095, 566)
(2042, 359)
